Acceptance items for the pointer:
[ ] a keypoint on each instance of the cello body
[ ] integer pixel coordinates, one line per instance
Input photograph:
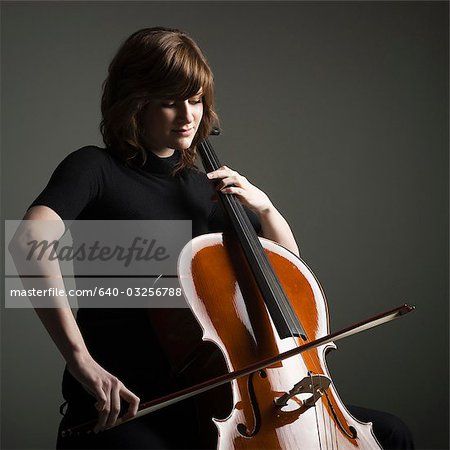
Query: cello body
(292, 404)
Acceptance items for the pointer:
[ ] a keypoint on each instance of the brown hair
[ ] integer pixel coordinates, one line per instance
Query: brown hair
(153, 63)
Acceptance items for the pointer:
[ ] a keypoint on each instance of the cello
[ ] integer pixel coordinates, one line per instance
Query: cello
(255, 299)
(265, 310)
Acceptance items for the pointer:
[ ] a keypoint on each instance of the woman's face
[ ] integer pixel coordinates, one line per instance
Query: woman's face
(172, 124)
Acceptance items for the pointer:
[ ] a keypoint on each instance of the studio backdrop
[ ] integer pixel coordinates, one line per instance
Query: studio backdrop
(338, 110)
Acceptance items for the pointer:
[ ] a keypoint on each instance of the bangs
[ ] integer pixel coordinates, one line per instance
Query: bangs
(186, 75)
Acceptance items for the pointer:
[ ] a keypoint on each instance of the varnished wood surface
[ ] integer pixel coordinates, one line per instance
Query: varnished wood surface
(233, 315)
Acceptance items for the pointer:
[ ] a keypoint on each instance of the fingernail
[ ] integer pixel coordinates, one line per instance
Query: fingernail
(209, 175)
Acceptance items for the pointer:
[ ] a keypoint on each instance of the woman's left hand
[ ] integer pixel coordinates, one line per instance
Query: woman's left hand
(273, 224)
(231, 182)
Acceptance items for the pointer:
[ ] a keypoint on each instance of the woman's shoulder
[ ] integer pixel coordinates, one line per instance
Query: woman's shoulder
(89, 153)
(89, 158)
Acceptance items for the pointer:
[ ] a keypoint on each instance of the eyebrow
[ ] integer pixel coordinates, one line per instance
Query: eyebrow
(164, 98)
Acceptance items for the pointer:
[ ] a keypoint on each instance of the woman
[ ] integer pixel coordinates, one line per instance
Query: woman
(157, 105)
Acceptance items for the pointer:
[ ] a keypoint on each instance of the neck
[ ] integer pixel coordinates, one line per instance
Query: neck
(164, 153)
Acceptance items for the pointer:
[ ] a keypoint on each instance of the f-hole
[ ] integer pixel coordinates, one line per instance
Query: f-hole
(243, 430)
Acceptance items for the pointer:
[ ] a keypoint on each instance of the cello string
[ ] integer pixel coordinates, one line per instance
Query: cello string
(308, 356)
(267, 271)
(252, 241)
(326, 422)
(335, 435)
(315, 411)
(330, 429)
(257, 250)
(255, 246)
(313, 364)
(314, 393)
(326, 419)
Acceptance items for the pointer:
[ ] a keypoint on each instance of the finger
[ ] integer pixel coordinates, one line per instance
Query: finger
(115, 404)
(220, 173)
(213, 175)
(228, 181)
(100, 404)
(133, 401)
(233, 190)
(103, 413)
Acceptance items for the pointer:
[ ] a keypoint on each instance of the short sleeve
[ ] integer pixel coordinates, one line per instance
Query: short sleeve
(75, 183)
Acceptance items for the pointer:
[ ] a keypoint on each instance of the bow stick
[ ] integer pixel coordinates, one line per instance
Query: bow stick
(183, 394)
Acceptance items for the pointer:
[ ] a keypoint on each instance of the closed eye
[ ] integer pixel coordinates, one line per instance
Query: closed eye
(172, 103)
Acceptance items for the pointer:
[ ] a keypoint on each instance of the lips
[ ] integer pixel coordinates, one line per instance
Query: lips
(184, 131)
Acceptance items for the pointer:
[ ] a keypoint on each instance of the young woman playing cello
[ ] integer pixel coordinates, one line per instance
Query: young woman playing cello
(157, 105)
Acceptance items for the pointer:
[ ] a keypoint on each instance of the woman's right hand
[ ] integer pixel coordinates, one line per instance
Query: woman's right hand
(43, 224)
(106, 388)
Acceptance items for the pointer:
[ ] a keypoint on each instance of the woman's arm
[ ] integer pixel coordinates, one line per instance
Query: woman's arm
(43, 224)
(273, 224)
(275, 227)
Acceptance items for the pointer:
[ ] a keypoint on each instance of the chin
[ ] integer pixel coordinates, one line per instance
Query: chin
(183, 145)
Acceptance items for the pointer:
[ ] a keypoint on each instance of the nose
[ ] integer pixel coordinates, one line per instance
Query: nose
(186, 112)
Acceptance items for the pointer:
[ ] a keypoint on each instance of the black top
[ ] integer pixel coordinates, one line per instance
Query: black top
(92, 184)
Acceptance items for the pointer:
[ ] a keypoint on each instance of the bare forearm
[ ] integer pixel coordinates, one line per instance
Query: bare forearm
(54, 312)
(63, 329)
(43, 224)
(275, 228)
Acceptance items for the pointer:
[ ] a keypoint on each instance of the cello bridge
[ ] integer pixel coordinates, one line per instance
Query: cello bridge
(315, 385)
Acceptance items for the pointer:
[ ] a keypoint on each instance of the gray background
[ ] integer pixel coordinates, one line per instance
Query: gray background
(337, 110)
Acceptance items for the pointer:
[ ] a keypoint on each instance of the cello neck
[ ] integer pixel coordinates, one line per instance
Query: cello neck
(284, 318)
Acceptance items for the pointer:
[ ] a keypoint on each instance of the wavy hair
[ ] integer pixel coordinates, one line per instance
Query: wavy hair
(153, 63)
